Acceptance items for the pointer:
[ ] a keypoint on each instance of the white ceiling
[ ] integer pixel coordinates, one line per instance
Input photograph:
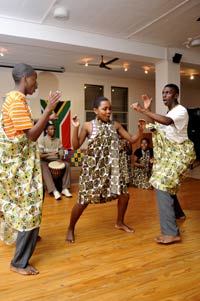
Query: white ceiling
(138, 32)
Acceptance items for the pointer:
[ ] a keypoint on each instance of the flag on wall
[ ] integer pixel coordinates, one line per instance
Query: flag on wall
(63, 122)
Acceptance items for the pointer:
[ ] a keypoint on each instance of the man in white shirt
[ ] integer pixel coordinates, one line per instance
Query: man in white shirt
(173, 154)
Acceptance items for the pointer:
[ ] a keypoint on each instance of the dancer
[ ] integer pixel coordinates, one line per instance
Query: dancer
(101, 179)
(173, 154)
(21, 193)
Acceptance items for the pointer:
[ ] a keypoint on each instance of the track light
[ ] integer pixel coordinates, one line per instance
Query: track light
(38, 68)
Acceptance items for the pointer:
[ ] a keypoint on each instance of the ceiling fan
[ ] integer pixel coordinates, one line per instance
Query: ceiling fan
(102, 64)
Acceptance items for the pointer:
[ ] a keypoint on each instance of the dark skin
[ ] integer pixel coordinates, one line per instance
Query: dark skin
(170, 100)
(50, 131)
(28, 85)
(103, 112)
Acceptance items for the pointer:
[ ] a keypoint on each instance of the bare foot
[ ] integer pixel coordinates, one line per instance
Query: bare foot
(124, 228)
(29, 270)
(181, 218)
(167, 239)
(39, 238)
(70, 236)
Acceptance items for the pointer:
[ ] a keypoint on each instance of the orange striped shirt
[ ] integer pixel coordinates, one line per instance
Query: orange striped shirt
(16, 114)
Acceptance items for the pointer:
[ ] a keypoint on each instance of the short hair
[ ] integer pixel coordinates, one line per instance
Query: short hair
(21, 70)
(48, 125)
(145, 139)
(97, 101)
(174, 87)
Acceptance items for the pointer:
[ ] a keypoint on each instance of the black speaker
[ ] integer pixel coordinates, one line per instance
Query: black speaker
(177, 58)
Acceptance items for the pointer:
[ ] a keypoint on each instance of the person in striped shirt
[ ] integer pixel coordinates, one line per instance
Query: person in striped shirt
(21, 193)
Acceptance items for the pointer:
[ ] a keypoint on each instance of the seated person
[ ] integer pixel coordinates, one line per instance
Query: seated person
(51, 149)
(142, 162)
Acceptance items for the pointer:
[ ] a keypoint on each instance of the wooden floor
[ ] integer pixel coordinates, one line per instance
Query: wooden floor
(109, 264)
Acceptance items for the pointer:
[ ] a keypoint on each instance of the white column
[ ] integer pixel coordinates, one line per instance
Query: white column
(166, 73)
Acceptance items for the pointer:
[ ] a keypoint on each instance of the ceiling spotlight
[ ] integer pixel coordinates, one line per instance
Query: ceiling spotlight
(146, 71)
(125, 69)
(3, 51)
(192, 42)
(191, 77)
(86, 64)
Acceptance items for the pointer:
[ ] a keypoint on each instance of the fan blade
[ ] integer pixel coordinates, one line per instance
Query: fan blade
(111, 61)
(106, 67)
(88, 64)
(93, 64)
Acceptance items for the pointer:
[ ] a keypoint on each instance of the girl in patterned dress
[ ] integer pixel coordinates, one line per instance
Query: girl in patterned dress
(173, 155)
(101, 179)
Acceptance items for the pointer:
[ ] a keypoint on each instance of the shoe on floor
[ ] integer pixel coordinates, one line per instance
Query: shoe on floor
(57, 195)
(67, 193)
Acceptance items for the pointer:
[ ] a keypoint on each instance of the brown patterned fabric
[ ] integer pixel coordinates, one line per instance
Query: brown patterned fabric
(100, 179)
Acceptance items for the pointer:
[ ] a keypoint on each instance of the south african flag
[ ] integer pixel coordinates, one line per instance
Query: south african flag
(63, 122)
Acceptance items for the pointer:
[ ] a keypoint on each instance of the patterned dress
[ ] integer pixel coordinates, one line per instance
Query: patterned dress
(171, 161)
(101, 179)
(21, 189)
(141, 175)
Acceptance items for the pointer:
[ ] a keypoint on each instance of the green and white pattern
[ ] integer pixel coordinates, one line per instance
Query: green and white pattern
(21, 189)
(171, 161)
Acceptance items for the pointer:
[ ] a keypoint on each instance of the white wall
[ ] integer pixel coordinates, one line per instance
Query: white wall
(72, 87)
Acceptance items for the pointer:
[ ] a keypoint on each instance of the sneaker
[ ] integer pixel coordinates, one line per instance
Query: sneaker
(57, 195)
(66, 193)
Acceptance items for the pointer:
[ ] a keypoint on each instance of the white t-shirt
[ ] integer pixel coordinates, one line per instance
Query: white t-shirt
(177, 131)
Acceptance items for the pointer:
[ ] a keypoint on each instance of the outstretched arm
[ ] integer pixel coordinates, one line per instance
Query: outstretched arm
(124, 134)
(146, 111)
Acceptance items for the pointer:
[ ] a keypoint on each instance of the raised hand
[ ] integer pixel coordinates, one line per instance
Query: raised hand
(54, 98)
(53, 117)
(147, 101)
(75, 121)
(136, 106)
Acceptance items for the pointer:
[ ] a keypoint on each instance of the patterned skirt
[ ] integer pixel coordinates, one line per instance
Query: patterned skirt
(171, 161)
(21, 189)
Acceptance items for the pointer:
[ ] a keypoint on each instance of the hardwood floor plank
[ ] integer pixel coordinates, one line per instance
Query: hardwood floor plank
(105, 263)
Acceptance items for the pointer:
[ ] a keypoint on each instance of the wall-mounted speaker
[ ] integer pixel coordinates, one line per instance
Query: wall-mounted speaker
(177, 58)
